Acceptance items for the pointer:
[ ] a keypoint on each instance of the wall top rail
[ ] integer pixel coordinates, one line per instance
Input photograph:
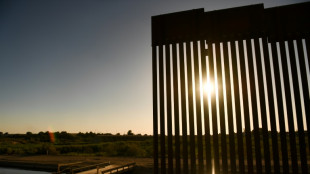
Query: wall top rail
(277, 23)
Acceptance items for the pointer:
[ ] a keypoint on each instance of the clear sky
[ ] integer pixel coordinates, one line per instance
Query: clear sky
(80, 66)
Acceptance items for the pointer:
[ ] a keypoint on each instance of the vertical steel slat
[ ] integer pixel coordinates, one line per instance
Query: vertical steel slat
(214, 112)
(221, 107)
(280, 103)
(262, 104)
(303, 72)
(169, 114)
(198, 108)
(304, 81)
(184, 116)
(246, 109)
(301, 133)
(229, 109)
(162, 111)
(272, 114)
(276, 66)
(307, 42)
(205, 108)
(289, 109)
(155, 109)
(176, 108)
(254, 107)
(237, 108)
(190, 108)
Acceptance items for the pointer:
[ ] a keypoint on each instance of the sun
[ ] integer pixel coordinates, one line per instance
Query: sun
(207, 88)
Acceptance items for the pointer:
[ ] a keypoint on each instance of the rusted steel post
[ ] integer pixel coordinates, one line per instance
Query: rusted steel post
(248, 137)
(162, 112)
(229, 92)
(198, 107)
(221, 107)
(155, 109)
(272, 106)
(250, 58)
(191, 108)
(216, 152)
(236, 77)
(183, 105)
(303, 63)
(204, 70)
(260, 80)
(169, 108)
(301, 132)
(176, 109)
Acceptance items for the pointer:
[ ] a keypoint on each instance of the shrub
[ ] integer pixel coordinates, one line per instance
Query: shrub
(134, 150)
(9, 151)
(52, 150)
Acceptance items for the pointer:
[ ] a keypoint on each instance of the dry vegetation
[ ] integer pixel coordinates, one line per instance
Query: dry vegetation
(44, 151)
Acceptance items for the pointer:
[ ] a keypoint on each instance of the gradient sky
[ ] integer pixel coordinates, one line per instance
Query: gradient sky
(80, 66)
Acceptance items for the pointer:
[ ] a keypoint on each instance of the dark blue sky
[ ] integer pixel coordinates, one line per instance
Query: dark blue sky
(82, 65)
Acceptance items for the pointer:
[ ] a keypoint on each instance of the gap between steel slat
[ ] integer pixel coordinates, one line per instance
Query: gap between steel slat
(246, 109)
(272, 114)
(262, 104)
(214, 112)
(205, 108)
(184, 116)
(190, 108)
(307, 42)
(169, 114)
(155, 110)
(198, 107)
(176, 109)
(237, 108)
(162, 111)
(301, 133)
(229, 109)
(221, 107)
(254, 107)
(289, 110)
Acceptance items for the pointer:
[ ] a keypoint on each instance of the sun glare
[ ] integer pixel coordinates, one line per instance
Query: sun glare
(208, 88)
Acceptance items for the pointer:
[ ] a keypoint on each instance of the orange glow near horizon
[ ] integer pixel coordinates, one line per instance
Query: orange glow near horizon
(52, 136)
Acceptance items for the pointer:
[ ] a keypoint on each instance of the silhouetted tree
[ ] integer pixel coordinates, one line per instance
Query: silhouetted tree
(130, 133)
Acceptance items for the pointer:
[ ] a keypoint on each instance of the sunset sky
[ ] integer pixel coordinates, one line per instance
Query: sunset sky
(80, 66)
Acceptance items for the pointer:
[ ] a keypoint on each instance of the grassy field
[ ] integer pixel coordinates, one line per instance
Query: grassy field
(63, 143)
(60, 147)
(108, 145)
